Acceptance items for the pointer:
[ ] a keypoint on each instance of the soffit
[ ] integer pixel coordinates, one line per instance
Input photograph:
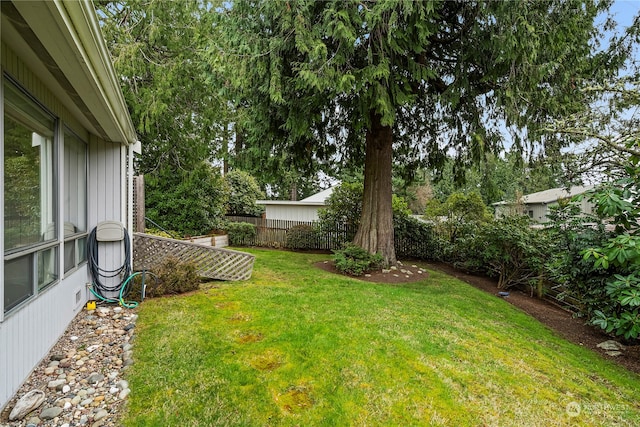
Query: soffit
(58, 43)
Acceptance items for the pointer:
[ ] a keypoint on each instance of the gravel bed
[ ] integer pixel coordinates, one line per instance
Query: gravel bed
(80, 382)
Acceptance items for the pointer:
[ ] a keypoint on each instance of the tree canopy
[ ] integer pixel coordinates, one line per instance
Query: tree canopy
(175, 98)
(377, 82)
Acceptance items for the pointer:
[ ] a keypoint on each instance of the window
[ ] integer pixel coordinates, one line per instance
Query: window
(30, 223)
(75, 200)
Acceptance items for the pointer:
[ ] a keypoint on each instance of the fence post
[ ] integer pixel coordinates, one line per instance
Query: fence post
(138, 203)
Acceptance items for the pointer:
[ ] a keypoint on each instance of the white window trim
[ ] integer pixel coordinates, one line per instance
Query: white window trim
(2, 197)
(79, 235)
(32, 249)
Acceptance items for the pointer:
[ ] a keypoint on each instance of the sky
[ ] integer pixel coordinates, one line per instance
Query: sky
(625, 10)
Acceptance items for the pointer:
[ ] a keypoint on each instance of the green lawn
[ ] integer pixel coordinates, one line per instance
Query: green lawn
(297, 346)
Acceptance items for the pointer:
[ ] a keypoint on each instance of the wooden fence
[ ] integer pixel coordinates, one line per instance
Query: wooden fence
(273, 233)
(138, 204)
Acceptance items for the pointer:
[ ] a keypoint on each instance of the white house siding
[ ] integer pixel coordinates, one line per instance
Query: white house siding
(539, 212)
(292, 212)
(106, 176)
(27, 335)
(29, 332)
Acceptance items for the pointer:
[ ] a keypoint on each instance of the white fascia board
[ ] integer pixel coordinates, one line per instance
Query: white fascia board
(82, 22)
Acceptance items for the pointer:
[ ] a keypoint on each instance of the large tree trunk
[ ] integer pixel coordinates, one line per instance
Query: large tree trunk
(376, 225)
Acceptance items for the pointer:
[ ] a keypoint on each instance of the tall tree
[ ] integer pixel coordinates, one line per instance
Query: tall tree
(497, 178)
(342, 79)
(609, 132)
(176, 102)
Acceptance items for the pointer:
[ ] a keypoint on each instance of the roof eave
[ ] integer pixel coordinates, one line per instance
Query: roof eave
(69, 34)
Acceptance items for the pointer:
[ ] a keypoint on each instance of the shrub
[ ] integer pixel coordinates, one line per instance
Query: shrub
(344, 208)
(415, 238)
(507, 248)
(192, 202)
(619, 310)
(174, 277)
(456, 213)
(302, 237)
(241, 233)
(161, 233)
(513, 251)
(243, 193)
(355, 261)
(571, 232)
(464, 252)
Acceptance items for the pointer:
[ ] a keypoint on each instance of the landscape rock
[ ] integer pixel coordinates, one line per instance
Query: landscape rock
(50, 413)
(27, 403)
(95, 378)
(611, 345)
(81, 378)
(56, 383)
(100, 415)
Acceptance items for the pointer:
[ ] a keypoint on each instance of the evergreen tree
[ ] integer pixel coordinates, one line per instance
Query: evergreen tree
(362, 81)
(176, 100)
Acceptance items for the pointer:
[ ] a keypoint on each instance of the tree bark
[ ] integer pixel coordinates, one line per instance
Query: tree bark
(375, 233)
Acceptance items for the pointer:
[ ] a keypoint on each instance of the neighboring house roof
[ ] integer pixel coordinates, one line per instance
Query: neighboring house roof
(62, 43)
(550, 196)
(318, 199)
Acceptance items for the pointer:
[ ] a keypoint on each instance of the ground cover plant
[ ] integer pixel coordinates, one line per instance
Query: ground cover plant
(296, 345)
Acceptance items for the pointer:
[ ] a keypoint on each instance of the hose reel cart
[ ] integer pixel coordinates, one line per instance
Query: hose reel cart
(106, 282)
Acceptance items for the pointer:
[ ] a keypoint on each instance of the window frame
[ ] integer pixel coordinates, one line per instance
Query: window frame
(35, 250)
(79, 238)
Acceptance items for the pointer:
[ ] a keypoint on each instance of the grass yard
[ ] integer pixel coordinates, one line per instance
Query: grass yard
(298, 346)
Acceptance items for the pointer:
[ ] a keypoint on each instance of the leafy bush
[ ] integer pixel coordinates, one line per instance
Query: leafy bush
(415, 239)
(344, 208)
(191, 202)
(507, 248)
(570, 233)
(355, 261)
(302, 237)
(241, 233)
(243, 193)
(463, 252)
(174, 277)
(458, 211)
(161, 233)
(618, 311)
(513, 251)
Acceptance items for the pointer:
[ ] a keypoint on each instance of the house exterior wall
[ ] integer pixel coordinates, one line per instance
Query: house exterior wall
(28, 332)
(541, 210)
(537, 211)
(291, 212)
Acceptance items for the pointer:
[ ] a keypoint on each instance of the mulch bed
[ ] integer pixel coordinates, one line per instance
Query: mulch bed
(554, 317)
